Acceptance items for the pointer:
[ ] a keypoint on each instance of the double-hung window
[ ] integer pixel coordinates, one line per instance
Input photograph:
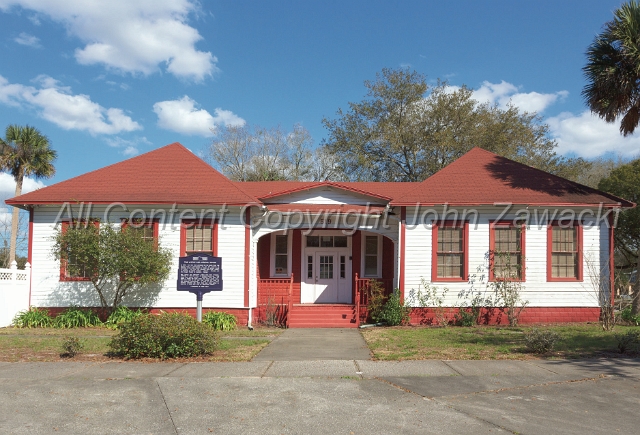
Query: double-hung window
(450, 251)
(148, 229)
(198, 237)
(372, 257)
(506, 251)
(564, 252)
(70, 269)
(280, 254)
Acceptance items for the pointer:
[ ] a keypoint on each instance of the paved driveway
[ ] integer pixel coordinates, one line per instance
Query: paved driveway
(321, 397)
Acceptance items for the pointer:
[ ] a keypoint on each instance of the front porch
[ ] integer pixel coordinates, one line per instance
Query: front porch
(277, 307)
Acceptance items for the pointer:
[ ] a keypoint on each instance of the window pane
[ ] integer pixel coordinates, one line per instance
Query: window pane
(371, 245)
(199, 239)
(281, 245)
(309, 266)
(326, 267)
(281, 264)
(340, 241)
(313, 241)
(371, 265)
(450, 265)
(326, 241)
(449, 239)
(342, 266)
(507, 239)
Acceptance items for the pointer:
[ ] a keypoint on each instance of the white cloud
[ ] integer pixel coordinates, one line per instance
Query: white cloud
(129, 146)
(57, 104)
(130, 36)
(182, 116)
(8, 185)
(502, 93)
(588, 136)
(28, 40)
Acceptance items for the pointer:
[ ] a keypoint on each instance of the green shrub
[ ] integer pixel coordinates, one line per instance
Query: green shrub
(220, 321)
(163, 336)
(377, 299)
(540, 340)
(393, 312)
(628, 317)
(122, 315)
(34, 317)
(71, 346)
(629, 342)
(75, 317)
(465, 317)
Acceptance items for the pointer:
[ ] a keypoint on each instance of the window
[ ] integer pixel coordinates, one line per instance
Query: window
(327, 242)
(198, 237)
(506, 246)
(68, 265)
(326, 267)
(371, 256)
(450, 247)
(147, 229)
(280, 255)
(564, 252)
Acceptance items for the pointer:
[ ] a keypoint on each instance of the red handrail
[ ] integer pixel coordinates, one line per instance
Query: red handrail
(290, 306)
(357, 296)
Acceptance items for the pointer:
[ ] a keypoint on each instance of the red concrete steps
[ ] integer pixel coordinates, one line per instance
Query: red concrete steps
(322, 316)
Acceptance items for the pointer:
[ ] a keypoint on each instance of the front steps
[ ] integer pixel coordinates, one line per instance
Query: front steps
(322, 316)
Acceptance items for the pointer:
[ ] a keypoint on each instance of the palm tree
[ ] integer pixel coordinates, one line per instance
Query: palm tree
(613, 69)
(24, 152)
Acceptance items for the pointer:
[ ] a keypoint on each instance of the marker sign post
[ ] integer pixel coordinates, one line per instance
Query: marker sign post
(199, 274)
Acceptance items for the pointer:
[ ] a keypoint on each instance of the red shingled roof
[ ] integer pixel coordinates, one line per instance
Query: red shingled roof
(480, 177)
(171, 174)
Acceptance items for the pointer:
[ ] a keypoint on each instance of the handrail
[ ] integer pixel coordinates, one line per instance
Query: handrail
(290, 300)
(357, 296)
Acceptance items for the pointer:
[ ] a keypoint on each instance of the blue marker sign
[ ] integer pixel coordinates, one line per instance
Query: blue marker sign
(199, 274)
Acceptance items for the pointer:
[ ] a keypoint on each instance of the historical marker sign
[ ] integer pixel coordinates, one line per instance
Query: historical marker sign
(199, 274)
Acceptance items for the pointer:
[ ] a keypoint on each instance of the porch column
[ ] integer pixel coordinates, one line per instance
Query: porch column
(401, 239)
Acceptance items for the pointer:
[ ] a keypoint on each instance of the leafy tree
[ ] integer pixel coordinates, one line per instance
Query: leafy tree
(117, 261)
(625, 183)
(24, 152)
(259, 154)
(613, 69)
(405, 131)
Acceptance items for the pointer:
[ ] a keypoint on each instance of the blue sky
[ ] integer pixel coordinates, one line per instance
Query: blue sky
(108, 82)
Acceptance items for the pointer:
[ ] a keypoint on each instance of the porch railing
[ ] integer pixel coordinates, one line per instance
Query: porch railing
(275, 296)
(363, 293)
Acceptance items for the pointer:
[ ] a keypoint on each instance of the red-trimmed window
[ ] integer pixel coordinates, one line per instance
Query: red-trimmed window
(65, 273)
(450, 251)
(148, 229)
(564, 252)
(198, 237)
(506, 251)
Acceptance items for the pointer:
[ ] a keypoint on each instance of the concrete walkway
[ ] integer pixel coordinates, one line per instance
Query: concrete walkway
(316, 344)
(320, 397)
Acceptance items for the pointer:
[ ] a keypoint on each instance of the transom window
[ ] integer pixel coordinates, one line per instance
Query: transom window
(564, 253)
(507, 251)
(450, 247)
(327, 241)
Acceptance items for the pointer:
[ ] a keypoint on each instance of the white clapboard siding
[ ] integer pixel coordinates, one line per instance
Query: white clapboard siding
(48, 290)
(536, 289)
(324, 195)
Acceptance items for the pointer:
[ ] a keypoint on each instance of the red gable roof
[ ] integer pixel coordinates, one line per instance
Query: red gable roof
(271, 189)
(483, 178)
(171, 174)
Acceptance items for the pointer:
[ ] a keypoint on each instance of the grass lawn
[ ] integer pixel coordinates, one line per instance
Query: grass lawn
(487, 342)
(44, 344)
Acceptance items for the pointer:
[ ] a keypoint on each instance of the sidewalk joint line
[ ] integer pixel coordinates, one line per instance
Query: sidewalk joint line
(179, 367)
(449, 365)
(175, 429)
(358, 369)
(267, 369)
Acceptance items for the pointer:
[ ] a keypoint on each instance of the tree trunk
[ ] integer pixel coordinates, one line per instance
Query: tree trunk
(14, 222)
(635, 306)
